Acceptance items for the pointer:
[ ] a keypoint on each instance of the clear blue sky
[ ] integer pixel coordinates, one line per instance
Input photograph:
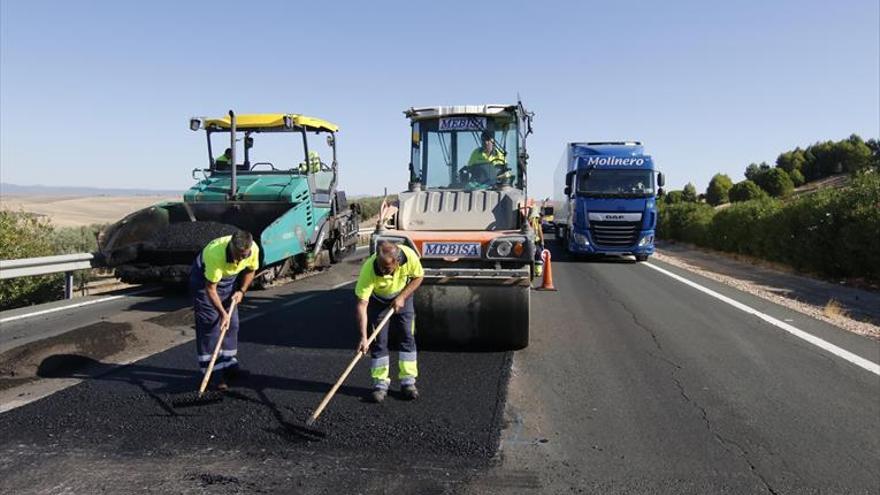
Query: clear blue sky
(99, 93)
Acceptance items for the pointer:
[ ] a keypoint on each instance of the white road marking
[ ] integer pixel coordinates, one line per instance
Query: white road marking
(342, 284)
(818, 342)
(78, 305)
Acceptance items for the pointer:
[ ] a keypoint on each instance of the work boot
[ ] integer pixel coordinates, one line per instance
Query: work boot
(378, 395)
(220, 383)
(409, 392)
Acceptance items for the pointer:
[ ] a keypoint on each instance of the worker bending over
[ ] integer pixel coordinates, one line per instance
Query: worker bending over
(214, 284)
(387, 281)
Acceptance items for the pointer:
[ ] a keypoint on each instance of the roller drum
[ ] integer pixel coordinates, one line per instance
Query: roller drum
(473, 316)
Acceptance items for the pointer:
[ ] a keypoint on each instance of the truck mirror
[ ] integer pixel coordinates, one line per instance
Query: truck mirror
(660, 180)
(660, 192)
(567, 190)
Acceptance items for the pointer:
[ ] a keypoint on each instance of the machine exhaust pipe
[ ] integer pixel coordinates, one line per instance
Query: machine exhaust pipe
(233, 186)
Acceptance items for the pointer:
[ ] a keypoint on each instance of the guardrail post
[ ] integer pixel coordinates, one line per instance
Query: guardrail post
(68, 285)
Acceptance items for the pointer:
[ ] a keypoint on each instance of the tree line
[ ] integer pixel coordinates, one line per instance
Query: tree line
(792, 169)
(832, 231)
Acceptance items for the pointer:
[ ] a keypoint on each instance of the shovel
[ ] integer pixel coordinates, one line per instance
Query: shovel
(202, 397)
(357, 357)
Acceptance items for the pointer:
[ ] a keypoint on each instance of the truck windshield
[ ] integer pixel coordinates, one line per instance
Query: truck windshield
(482, 155)
(621, 183)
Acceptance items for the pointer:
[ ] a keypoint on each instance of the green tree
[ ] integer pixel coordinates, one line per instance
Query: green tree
(797, 178)
(689, 193)
(718, 190)
(752, 171)
(672, 197)
(26, 236)
(791, 160)
(776, 182)
(874, 145)
(745, 191)
(855, 154)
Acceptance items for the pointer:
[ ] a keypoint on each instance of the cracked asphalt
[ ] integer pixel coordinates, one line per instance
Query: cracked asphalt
(632, 383)
(636, 383)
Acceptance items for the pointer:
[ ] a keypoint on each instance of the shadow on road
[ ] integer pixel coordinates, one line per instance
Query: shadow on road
(560, 255)
(162, 384)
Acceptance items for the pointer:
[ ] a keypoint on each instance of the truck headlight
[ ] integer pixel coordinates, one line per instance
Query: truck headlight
(581, 239)
(648, 239)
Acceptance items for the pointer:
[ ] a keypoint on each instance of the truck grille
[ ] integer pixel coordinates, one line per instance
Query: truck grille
(615, 234)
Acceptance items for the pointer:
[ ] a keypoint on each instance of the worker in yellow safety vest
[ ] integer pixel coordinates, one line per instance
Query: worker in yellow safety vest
(222, 161)
(221, 273)
(487, 153)
(314, 165)
(488, 164)
(387, 282)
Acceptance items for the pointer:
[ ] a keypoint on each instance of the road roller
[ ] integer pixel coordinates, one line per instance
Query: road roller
(466, 212)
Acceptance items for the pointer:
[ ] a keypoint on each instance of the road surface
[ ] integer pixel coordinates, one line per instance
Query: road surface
(634, 382)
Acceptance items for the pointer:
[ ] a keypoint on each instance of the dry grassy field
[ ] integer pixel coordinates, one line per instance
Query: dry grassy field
(74, 211)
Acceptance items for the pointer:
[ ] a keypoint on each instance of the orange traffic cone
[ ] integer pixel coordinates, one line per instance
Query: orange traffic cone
(547, 283)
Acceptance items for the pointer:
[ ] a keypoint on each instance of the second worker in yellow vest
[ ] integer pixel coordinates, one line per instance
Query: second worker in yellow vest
(387, 281)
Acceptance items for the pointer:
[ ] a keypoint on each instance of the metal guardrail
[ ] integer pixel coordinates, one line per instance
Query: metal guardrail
(47, 265)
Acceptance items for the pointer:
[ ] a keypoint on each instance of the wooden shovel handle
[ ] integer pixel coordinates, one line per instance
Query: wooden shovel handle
(357, 357)
(223, 329)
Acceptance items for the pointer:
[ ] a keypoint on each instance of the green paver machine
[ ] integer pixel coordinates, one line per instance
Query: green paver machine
(291, 206)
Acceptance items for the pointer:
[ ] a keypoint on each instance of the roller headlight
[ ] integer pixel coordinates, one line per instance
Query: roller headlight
(510, 247)
(503, 248)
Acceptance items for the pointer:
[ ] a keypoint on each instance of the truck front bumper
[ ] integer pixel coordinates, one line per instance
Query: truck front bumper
(582, 243)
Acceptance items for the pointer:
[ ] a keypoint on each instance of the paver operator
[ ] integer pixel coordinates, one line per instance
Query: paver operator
(214, 283)
(222, 161)
(387, 281)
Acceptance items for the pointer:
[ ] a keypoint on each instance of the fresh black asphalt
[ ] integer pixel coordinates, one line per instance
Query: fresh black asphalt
(294, 355)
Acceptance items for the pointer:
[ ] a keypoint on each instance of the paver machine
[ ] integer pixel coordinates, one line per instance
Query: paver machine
(466, 213)
(289, 202)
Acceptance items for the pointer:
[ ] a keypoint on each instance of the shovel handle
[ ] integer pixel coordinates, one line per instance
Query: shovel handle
(357, 357)
(223, 329)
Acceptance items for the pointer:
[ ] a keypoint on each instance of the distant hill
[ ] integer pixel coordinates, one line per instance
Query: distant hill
(38, 190)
